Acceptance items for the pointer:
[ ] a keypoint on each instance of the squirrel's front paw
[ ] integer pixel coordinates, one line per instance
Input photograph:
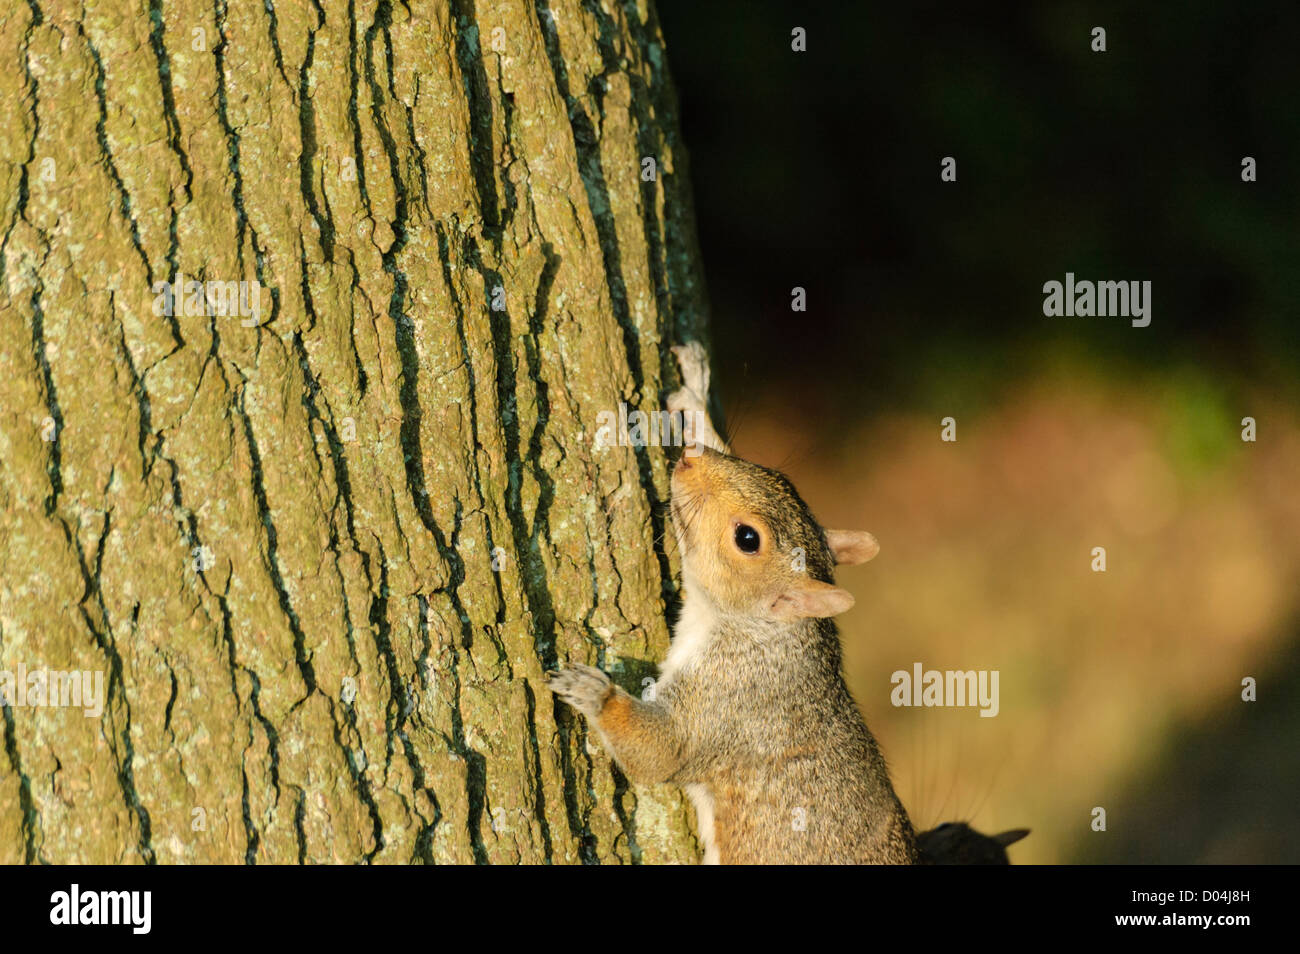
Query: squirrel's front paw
(583, 687)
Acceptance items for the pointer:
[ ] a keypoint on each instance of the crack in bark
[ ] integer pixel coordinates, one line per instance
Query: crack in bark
(354, 112)
(399, 706)
(144, 431)
(102, 635)
(171, 700)
(539, 787)
(358, 159)
(272, 737)
(55, 466)
(338, 462)
(243, 226)
(31, 820)
(424, 840)
(273, 32)
(299, 826)
(358, 774)
(172, 121)
(474, 82)
(476, 778)
(232, 136)
(189, 530)
(507, 156)
(251, 837)
(360, 366)
(23, 189)
(307, 126)
(106, 153)
(272, 549)
(626, 815)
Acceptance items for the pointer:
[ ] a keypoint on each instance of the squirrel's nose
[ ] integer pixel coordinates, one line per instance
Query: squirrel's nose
(684, 462)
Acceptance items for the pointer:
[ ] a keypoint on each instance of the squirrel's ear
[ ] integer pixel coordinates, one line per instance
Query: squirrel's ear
(810, 598)
(850, 547)
(1010, 837)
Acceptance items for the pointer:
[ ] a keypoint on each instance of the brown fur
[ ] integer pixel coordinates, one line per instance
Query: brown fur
(758, 711)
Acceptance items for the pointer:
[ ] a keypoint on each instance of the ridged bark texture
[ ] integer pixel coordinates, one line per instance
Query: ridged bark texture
(323, 559)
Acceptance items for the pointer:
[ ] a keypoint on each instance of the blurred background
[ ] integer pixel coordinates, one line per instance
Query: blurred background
(821, 169)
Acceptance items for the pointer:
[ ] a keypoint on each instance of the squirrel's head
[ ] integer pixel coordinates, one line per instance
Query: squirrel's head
(751, 543)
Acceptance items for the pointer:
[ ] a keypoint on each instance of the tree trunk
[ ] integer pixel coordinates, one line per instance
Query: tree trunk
(323, 549)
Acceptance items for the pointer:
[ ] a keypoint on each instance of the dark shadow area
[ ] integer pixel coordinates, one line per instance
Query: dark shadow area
(822, 170)
(1225, 792)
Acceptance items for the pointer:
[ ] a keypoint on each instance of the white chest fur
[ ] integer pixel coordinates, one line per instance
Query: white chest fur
(702, 799)
(691, 638)
(691, 634)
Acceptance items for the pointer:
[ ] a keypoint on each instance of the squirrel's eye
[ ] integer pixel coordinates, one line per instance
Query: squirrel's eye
(747, 538)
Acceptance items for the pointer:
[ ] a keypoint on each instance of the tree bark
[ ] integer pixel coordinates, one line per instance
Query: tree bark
(323, 555)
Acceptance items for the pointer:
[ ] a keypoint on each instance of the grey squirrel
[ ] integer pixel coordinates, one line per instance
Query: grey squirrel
(751, 714)
(956, 843)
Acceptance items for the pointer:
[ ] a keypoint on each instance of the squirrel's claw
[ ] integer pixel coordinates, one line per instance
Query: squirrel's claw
(692, 399)
(694, 365)
(583, 687)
